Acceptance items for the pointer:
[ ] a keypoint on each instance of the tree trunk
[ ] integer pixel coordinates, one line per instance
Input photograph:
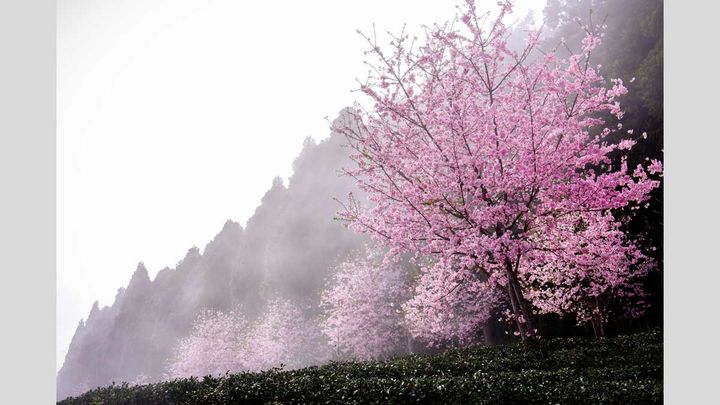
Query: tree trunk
(598, 328)
(520, 305)
(493, 330)
(488, 338)
(516, 311)
(597, 321)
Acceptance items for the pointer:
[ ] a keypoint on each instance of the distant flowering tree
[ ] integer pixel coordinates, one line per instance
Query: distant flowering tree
(450, 306)
(223, 342)
(212, 347)
(363, 318)
(283, 335)
(474, 154)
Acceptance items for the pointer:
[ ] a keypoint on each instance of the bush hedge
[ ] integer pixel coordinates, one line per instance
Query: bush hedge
(621, 370)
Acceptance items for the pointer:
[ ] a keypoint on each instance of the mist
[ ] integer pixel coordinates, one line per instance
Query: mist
(174, 116)
(286, 251)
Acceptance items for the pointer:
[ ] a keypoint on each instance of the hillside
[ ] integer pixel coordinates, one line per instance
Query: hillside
(621, 370)
(287, 249)
(291, 242)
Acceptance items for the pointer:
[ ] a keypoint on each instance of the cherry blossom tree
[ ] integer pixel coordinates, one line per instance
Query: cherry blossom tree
(587, 268)
(363, 318)
(225, 342)
(213, 347)
(450, 306)
(285, 336)
(472, 153)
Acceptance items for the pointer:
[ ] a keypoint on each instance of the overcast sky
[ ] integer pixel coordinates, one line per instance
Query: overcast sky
(175, 115)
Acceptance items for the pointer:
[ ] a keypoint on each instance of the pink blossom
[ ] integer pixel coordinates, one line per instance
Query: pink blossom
(362, 316)
(484, 156)
(655, 167)
(212, 348)
(449, 307)
(285, 336)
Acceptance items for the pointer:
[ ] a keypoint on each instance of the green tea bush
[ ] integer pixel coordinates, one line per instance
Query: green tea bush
(621, 370)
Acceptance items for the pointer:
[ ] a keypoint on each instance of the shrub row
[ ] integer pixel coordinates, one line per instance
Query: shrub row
(626, 370)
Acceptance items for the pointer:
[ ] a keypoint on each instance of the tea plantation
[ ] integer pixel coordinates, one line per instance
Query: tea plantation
(622, 370)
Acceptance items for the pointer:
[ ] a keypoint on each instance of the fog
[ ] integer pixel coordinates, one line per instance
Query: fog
(175, 116)
(287, 249)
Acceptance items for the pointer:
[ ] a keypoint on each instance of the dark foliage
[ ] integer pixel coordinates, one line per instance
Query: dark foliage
(290, 243)
(621, 370)
(632, 48)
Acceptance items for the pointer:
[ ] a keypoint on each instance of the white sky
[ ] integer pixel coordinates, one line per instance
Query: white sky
(175, 115)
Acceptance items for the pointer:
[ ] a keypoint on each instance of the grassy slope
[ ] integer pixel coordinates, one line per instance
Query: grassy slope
(626, 370)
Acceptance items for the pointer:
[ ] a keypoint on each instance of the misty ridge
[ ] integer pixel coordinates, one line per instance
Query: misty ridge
(273, 280)
(286, 250)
